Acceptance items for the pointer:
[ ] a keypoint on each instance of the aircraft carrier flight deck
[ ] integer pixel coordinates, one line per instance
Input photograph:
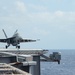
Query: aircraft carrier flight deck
(25, 61)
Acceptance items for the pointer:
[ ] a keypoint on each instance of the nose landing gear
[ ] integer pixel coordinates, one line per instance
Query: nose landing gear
(7, 46)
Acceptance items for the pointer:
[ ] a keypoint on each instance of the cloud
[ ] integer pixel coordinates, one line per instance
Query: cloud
(52, 1)
(59, 13)
(38, 8)
(55, 22)
(50, 17)
(21, 6)
(40, 31)
(4, 8)
(58, 19)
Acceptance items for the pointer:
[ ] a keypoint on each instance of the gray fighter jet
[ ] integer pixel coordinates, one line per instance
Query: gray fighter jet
(15, 40)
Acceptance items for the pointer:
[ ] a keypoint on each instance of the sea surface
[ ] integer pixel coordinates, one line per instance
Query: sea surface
(66, 67)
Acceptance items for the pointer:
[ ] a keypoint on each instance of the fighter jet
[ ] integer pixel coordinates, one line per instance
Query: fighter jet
(15, 40)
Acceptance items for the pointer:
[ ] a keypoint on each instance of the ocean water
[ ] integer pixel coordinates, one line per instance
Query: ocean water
(66, 67)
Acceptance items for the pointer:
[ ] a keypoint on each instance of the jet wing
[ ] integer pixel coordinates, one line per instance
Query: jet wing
(27, 40)
(3, 40)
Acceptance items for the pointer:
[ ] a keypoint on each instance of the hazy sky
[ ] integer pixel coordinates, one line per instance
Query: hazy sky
(51, 21)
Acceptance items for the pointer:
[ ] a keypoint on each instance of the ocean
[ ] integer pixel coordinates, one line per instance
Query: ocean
(66, 67)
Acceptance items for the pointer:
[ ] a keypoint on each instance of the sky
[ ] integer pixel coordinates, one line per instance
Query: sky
(51, 21)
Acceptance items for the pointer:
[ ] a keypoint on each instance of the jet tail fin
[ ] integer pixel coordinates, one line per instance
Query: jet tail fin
(4, 33)
(15, 31)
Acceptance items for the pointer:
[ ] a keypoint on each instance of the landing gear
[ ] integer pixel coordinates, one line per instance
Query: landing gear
(18, 47)
(6, 46)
